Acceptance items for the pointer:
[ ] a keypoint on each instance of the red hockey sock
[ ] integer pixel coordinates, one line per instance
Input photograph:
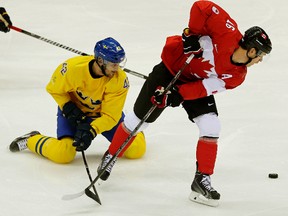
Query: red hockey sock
(206, 154)
(119, 137)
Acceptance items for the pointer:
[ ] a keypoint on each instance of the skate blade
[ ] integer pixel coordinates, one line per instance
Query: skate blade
(199, 198)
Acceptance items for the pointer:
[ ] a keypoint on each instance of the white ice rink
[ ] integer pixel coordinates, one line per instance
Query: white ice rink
(254, 117)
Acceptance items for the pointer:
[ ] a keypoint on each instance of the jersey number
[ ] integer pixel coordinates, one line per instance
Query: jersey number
(230, 25)
(64, 68)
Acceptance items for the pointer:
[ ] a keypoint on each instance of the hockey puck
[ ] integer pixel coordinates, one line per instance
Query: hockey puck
(273, 175)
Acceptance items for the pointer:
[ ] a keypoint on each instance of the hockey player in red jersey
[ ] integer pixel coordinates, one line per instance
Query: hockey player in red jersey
(221, 58)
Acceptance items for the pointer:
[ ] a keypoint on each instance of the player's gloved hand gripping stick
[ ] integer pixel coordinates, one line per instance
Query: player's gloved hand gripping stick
(5, 21)
(87, 190)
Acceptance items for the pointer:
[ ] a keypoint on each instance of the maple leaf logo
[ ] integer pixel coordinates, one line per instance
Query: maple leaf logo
(207, 67)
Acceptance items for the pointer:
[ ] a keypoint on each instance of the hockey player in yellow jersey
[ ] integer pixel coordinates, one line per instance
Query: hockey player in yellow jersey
(90, 92)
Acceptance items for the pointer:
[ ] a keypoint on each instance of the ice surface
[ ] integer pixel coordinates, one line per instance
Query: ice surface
(253, 142)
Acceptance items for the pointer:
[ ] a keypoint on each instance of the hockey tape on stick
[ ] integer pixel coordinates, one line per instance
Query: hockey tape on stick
(3, 20)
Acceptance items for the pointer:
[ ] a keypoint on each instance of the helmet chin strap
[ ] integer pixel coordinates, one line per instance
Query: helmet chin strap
(244, 63)
(241, 64)
(102, 67)
(249, 58)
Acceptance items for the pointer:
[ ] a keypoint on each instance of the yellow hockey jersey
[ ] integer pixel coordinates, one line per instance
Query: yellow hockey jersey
(101, 98)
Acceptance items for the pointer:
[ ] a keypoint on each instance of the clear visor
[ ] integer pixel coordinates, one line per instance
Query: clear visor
(114, 66)
(260, 53)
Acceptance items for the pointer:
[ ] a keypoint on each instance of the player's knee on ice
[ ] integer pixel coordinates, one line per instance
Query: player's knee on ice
(137, 148)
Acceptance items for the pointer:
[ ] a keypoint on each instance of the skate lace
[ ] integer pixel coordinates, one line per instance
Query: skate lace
(106, 161)
(22, 144)
(206, 182)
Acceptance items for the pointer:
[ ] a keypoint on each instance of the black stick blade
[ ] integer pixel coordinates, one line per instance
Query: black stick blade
(93, 196)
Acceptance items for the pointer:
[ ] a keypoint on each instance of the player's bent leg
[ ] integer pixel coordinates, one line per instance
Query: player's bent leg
(58, 151)
(137, 148)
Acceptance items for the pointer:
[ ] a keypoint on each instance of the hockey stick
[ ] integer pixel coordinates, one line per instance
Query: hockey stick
(95, 195)
(97, 199)
(87, 190)
(68, 48)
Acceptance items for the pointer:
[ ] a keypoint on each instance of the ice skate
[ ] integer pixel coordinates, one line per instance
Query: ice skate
(202, 191)
(105, 159)
(20, 143)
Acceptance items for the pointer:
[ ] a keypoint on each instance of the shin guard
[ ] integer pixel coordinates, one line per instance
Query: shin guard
(206, 154)
(119, 138)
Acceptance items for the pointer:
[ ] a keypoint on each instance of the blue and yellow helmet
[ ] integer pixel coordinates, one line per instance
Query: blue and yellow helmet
(109, 50)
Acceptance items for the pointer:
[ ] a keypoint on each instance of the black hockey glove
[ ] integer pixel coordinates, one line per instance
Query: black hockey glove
(84, 136)
(171, 98)
(5, 21)
(73, 114)
(191, 44)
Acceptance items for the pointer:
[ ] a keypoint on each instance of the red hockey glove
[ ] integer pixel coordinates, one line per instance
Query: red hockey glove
(171, 98)
(84, 136)
(191, 44)
(5, 21)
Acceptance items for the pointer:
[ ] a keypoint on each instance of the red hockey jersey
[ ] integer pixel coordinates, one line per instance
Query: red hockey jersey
(214, 72)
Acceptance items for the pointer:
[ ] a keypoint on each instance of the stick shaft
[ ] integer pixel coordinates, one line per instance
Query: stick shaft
(97, 199)
(68, 48)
